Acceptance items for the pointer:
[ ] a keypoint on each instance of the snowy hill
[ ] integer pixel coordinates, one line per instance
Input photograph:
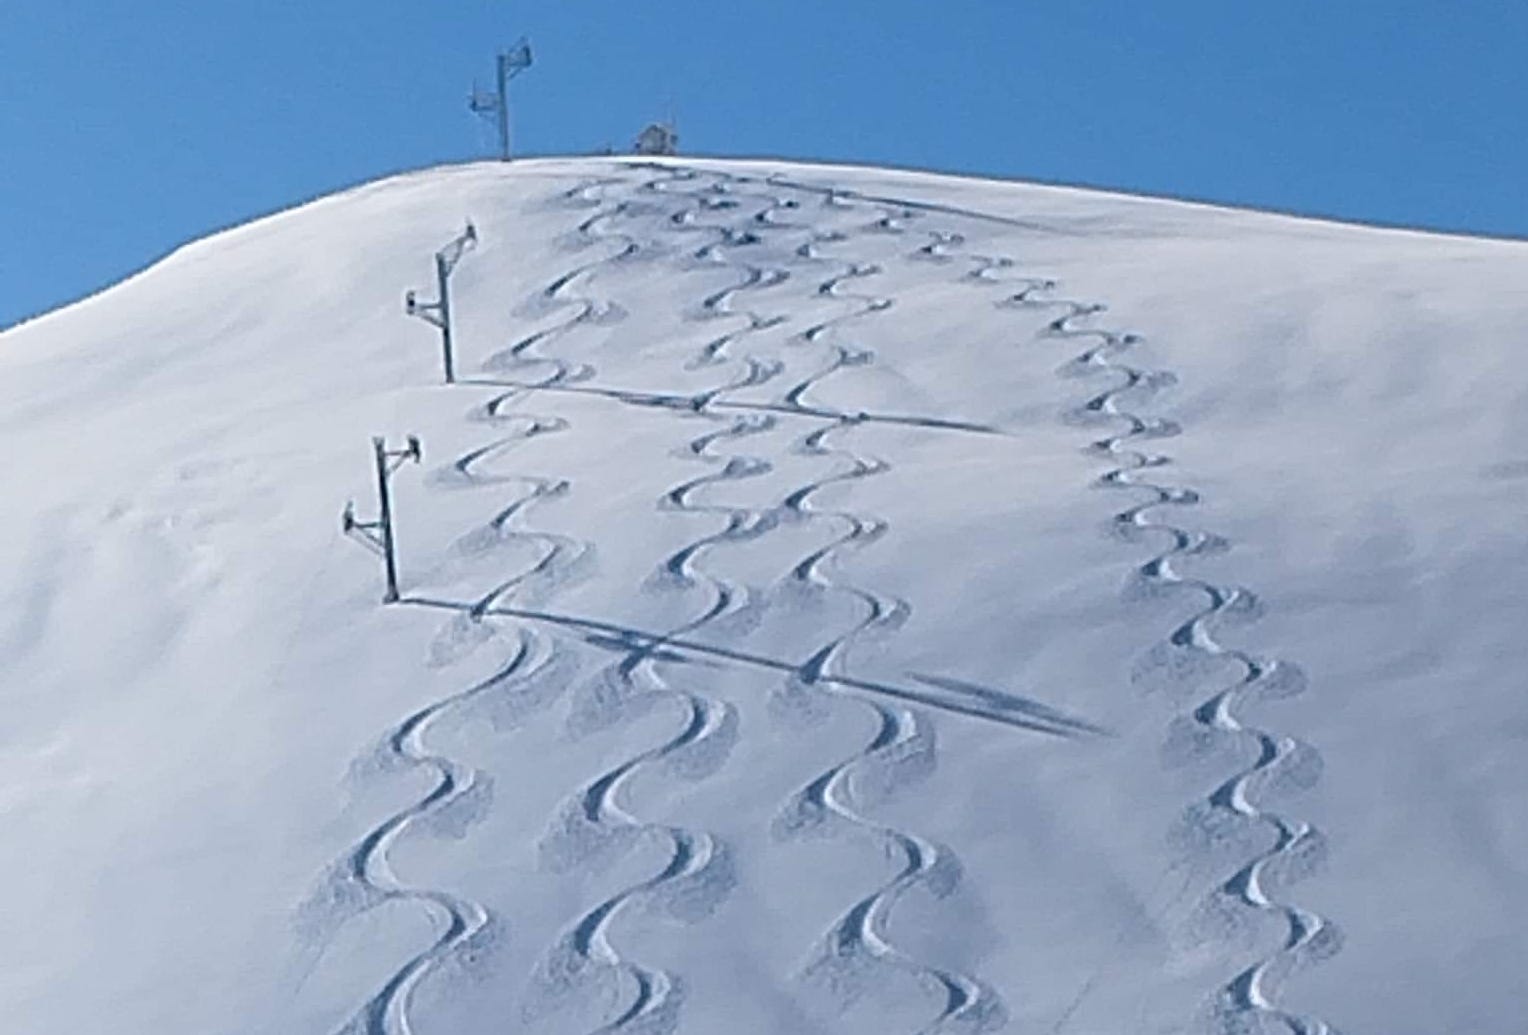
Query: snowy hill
(834, 600)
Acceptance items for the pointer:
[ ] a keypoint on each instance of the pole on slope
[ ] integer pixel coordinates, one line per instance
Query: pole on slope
(501, 68)
(438, 312)
(508, 64)
(378, 535)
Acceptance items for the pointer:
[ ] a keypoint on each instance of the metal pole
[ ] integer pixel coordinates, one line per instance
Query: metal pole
(503, 67)
(443, 278)
(385, 519)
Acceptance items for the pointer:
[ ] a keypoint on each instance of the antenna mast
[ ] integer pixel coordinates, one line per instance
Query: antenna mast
(495, 106)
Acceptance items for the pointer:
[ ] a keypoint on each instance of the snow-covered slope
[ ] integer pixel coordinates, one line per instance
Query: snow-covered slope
(909, 604)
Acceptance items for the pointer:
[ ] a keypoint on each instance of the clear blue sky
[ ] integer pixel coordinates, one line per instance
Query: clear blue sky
(127, 128)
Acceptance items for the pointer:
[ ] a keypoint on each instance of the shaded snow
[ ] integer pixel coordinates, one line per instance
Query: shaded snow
(1030, 665)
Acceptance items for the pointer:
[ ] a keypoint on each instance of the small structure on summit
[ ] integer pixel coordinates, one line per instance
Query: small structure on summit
(659, 138)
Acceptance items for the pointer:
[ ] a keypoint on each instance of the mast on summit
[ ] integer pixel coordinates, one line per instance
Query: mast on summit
(495, 106)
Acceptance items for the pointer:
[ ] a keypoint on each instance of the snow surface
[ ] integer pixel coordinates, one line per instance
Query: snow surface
(859, 632)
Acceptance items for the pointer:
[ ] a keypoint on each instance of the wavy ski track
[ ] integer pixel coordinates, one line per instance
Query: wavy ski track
(907, 208)
(654, 996)
(536, 655)
(722, 188)
(462, 922)
(697, 863)
(1252, 996)
(654, 1001)
(588, 310)
(560, 555)
(708, 726)
(833, 286)
(904, 739)
(455, 795)
(716, 194)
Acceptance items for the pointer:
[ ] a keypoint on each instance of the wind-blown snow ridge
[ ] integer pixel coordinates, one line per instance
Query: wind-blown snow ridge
(1253, 994)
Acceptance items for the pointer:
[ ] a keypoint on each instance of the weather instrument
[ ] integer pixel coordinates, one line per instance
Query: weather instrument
(438, 312)
(377, 535)
(495, 106)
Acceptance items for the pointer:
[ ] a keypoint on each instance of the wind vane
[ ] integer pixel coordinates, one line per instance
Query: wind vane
(495, 106)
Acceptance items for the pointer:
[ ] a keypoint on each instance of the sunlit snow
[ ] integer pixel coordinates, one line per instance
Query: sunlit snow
(834, 600)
